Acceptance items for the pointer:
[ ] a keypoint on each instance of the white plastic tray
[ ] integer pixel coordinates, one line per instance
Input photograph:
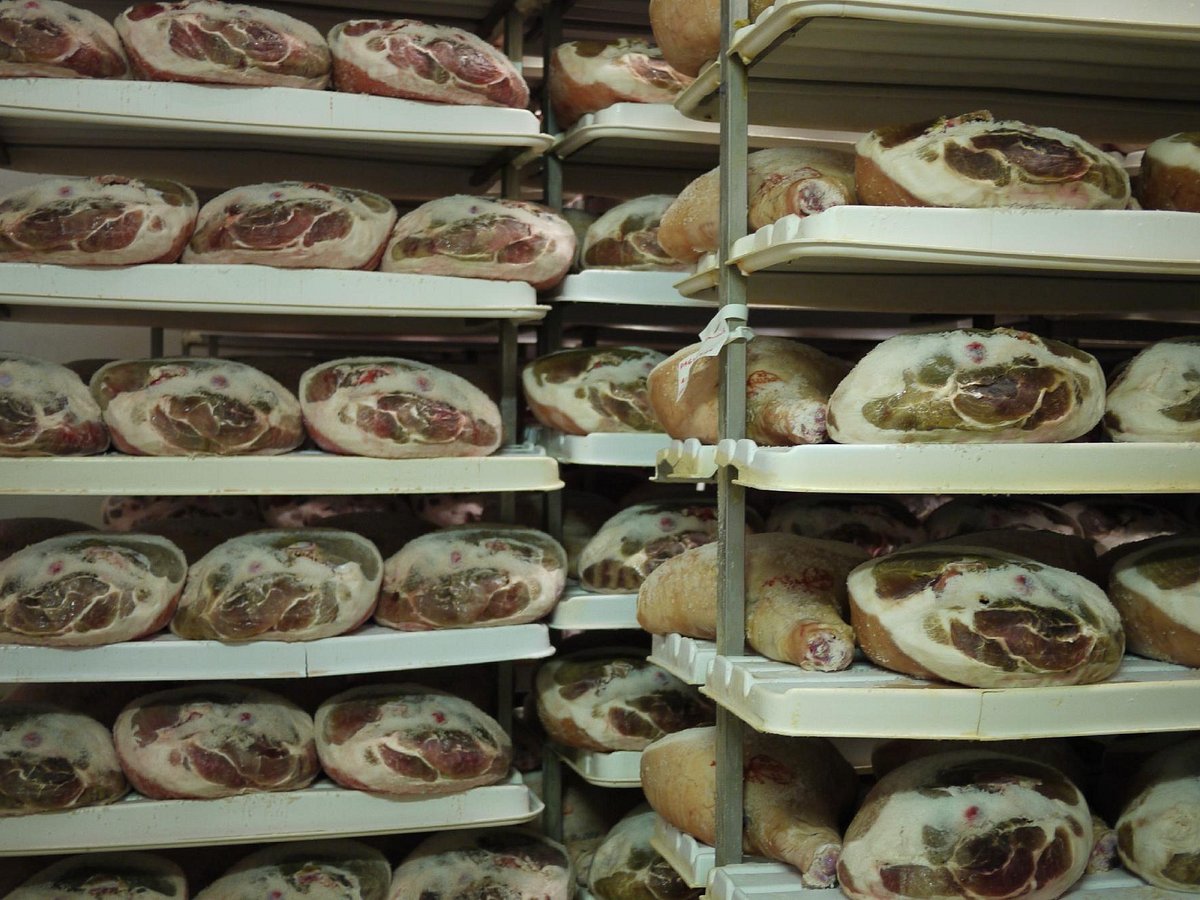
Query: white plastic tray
(581, 610)
(305, 472)
(688, 461)
(602, 449)
(694, 861)
(855, 64)
(618, 769)
(749, 881)
(372, 649)
(866, 701)
(688, 659)
(323, 810)
(624, 288)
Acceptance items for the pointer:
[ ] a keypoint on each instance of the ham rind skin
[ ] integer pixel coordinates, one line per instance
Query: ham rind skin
(482, 237)
(626, 865)
(402, 740)
(85, 590)
(309, 870)
(413, 60)
(45, 410)
(484, 864)
(49, 39)
(395, 408)
(208, 42)
(186, 406)
(626, 237)
(592, 389)
(105, 220)
(115, 876)
(293, 225)
(1156, 397)
(1158, 833)
(588, 76)
(639, 538)
(281, 585)
(689, 31)
(52, 760)
(215, 740)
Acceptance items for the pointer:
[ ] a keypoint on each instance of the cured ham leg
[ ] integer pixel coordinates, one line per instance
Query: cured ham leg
(592, 389)
(588, 76)
(49, 39)
(309, 870)
(45, 410)
(482, 865)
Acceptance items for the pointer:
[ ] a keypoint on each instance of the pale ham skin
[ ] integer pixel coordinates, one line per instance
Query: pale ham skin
(795, 598)
(1156, 588)
(626, 237)
(970, 513)
(106, 876)
(209, 42)
(967, 824)
(49, 39)
(1170, 177)
(983, 618)
(397, 409)
(976, 162)
(788, 385)
(105, 220)
(1156, 397)
(588, 76)
(45, 410)
(484, 864)
(796, 792)
(310, 870)
(968, 386)
(878, 525)
(131, 513)
(640, 538)
(1158, 833)
(472, 576)
(689, 32)
(402, 740)
(782, 181)
(1112, 522)
(282, 585)
(603, 702)
(482, 237)
(54, 760)
(627, 867)
(413, 60)
(182, 406)
(293, 225)
(592, 390)
(215, 740)
(85, 590)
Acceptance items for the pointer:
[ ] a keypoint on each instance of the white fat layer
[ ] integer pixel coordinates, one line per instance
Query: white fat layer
(612, 226)
(256, 714)
(881, 374)
(452, 864)
(121, 562)
(613, 68)
(641, 524)
(149, 39)
(919, 167)
(1182, 150)
(626, 843)
(87, 29)
(368, 230)
(162, 226)
(570, 396)
(264, 555)
(82, 741)
(444, 554)
(1179, 604)
(42, 383)
(430, 218)
(375, 62)
(971, 589)
(129, 414)
(314, 870)
(92, 872)
(901, 813)
(1161, 376)
(623, 682)
(335, 418)
(1164, 818)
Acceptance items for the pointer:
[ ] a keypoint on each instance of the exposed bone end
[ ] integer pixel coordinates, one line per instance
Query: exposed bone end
(815, 195)
(819, 648)
(822, 871)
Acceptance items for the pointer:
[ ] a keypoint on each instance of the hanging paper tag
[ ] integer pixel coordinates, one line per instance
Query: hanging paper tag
(716, 334)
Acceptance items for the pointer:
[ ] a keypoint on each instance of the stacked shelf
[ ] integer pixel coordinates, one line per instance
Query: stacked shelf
(583, 610)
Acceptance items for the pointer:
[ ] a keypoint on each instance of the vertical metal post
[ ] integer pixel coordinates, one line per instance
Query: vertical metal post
(552, 179)
(514, 48)
(505, 686)
(156, 342)
(510, 349)
(552, 793)
(731, 499)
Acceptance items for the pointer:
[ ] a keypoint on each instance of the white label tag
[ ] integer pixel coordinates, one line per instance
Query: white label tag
(716, 334)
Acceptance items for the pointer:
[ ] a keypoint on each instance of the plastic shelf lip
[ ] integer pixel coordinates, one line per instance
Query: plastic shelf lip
(379, 649)
(687, 856)
(623, 287)
(688, 659)
(625, 449)
(302, 472)
(320, 811)
(686, 461)
(581, 610)
(618, 769)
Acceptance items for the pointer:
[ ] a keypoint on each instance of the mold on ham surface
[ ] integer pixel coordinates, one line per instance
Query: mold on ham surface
(45, 410)
(592, 389)
(49, 39)
(484, 865)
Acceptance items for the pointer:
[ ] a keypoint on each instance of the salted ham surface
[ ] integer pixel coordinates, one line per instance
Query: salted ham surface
(405, 739)
(414, 60)
(106, 876)
(307, 870)
(1156, 397)
(49, 39)
(1158, 833)
(639, 538)
(492, 864)
(103, 220)
(626, 237)
(215, 740)
(293, 225)
(52, 760)
(588, 76)
(209, 42)
(45, 410)
(185, 405)
(592, 389)
(280, 585)
(627, 867)
(84, 590)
